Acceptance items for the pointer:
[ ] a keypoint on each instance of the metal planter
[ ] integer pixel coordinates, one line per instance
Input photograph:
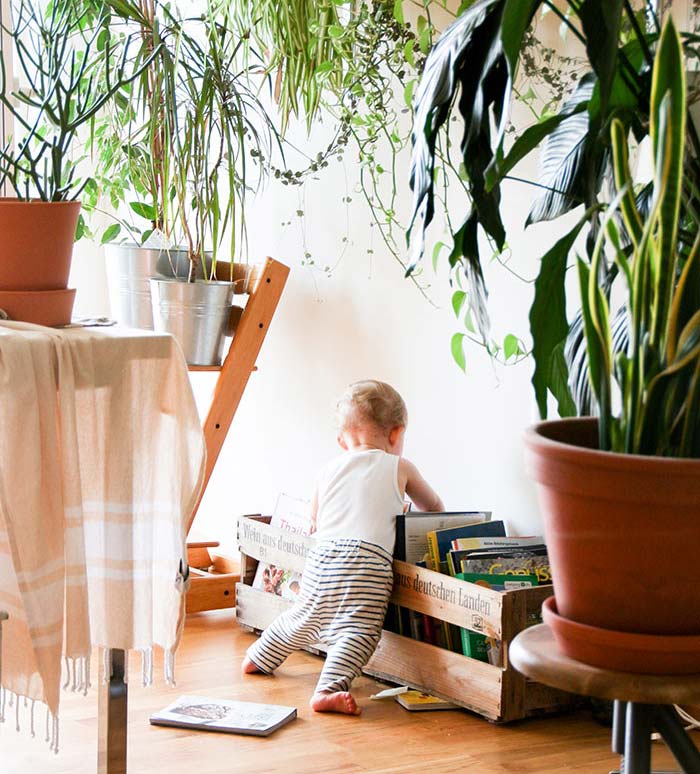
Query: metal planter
(198, 314)
(129, 269)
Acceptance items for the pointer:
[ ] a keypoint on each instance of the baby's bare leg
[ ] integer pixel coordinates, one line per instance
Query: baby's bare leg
(338, 701)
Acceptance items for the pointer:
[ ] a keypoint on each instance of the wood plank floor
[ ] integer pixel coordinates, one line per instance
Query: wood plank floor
(386, 738)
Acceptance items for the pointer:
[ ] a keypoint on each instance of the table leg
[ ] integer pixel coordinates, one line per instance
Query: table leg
(111, 718)
(679, 743)
(639, 720)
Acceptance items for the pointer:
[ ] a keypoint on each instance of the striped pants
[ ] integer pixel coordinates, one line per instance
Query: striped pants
(344, 594)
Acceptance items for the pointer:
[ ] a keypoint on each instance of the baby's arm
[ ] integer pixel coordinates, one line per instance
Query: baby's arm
(422, 495)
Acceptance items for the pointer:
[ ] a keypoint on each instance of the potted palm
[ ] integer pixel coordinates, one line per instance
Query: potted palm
(178, 153)
(644, 382)
(70, 77)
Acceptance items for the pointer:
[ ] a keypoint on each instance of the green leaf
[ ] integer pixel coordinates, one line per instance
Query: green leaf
(559, 382)
(667, 120)
(686, 300)
(143, 210)
(408, 53)
(425, 40)
(457, 346)
(600, 380)
(527, 142)
(80, 228)
(517, 15)
(398, 11)
(111, 233)
(600, 20)
(510, 346)
(336, 31)
(437, 249)
(548, 322)
(563, 159)
(409, 88)
(458, 299)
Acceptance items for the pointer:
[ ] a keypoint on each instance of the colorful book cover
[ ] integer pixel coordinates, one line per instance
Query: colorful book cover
(466, 543)
(440, 540)
(235, 717)
(511, 565)
(417, 701)
(293, 514)
(479, 646)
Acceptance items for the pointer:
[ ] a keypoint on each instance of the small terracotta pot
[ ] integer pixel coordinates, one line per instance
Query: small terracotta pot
(622, 530)
(36, 243)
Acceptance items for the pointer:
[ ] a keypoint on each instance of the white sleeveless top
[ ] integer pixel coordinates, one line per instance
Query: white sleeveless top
(359, 498)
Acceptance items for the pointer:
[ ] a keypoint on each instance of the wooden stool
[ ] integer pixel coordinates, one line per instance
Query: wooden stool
(641, 702)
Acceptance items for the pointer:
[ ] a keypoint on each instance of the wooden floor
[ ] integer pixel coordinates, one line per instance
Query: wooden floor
(386, 738)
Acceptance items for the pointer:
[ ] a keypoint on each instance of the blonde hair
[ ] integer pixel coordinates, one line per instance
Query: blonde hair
(371, 402)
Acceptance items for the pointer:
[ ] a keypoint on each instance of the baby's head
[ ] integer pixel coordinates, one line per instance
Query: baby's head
(369, 411)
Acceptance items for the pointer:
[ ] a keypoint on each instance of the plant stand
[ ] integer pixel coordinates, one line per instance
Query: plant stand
(643, 702)
(213, 578)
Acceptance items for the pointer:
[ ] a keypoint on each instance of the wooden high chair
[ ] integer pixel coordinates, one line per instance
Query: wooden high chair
(213, 577)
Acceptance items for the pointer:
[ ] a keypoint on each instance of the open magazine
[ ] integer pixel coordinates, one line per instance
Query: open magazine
(293, 514)
(234, 717)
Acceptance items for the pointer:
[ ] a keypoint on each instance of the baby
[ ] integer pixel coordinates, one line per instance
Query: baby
(348, 576)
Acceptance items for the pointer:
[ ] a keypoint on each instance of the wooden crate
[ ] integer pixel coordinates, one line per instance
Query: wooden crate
(499, 693)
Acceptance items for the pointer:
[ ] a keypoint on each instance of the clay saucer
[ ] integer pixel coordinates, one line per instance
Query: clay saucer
(650, 654)
(41, 307)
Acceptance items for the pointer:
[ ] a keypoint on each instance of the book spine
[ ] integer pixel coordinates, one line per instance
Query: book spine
(433, 551)
(451, 564)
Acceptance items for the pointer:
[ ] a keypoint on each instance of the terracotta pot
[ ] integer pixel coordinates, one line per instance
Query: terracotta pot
(622, 530)
(41, 307)
(36, 243)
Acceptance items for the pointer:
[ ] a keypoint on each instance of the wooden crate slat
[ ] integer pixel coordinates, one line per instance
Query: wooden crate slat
(449, 599)
(464, 681)
(273, 545)
(256, 608)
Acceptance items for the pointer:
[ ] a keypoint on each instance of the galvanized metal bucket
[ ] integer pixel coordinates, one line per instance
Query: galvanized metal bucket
(129, 269)
(196, 313)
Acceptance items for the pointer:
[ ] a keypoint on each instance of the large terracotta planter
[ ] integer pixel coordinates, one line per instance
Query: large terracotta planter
(623, 531)
(36, 243)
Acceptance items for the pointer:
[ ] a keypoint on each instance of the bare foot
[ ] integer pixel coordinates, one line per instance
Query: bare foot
(339, 701)
(249, 668)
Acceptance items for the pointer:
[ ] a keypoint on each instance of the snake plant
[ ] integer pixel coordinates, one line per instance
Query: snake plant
(658, 376)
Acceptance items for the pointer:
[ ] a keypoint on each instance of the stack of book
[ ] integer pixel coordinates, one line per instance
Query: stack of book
(470, 546)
